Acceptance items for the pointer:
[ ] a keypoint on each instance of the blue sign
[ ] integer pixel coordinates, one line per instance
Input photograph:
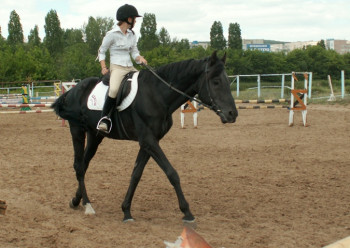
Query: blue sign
(260, 47)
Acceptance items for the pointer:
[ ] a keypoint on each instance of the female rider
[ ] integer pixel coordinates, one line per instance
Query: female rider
(121, 42)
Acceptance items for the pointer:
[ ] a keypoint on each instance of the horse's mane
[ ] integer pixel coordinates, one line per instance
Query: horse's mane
(178, 70)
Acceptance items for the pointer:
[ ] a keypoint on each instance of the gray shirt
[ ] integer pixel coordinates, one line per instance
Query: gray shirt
(120, 46)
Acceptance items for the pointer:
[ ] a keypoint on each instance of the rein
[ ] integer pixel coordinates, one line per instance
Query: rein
(211, 107)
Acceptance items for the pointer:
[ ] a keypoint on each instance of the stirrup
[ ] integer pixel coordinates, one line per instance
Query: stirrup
(105, 119)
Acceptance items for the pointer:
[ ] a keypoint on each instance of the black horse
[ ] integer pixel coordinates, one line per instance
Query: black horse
(147, 119)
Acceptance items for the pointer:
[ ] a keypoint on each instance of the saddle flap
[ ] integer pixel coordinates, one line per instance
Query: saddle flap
(125, 97)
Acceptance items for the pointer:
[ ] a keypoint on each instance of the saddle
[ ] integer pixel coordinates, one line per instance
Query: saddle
(124, 88)
(126, 94)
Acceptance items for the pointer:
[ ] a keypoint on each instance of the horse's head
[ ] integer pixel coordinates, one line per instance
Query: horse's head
(215, 91)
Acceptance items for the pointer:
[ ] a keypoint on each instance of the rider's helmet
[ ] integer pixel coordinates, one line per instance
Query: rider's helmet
(126, 11)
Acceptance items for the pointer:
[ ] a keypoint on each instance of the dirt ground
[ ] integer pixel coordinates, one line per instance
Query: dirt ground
(255, 183)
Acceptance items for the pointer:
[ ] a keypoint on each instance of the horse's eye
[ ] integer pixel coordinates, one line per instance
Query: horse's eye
(216, 82)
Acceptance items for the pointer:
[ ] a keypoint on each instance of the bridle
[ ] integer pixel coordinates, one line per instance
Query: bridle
(211, 106)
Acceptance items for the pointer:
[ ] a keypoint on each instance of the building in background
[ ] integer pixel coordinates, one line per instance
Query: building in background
(259, 47)
(288, 47)
(204, 44)
(340, 46)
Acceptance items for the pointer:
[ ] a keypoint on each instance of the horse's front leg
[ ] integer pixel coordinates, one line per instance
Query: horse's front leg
(153, 148)
(141, 161)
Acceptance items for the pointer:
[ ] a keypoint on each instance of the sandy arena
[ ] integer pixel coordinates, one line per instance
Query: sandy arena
(256, 183)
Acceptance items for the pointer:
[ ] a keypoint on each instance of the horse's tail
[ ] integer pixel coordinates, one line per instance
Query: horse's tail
(58, 104)
(63, 109)
(69, 106)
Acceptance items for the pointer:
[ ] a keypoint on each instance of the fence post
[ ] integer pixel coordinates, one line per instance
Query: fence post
(310, 84)
(342, 84)
(259, 85)
(237, 86)
(282, 86)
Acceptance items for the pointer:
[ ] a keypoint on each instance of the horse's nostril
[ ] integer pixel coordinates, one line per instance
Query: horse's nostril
(232, 113)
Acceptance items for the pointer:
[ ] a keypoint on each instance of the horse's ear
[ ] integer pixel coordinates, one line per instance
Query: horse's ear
(213, 58)
(224, 58)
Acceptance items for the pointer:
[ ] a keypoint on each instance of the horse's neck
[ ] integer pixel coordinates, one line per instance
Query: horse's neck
(185, 82)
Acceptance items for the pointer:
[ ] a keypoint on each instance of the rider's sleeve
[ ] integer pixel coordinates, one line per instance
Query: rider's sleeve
(106, 43)
(134, 51)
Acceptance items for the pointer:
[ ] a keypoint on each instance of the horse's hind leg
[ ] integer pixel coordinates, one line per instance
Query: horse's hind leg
(82, 157)
(78, 139)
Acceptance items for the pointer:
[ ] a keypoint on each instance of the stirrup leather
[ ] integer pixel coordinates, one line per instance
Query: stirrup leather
(108, 120)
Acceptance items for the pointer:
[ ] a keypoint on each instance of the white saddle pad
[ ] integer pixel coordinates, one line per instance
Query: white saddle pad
(98, 94)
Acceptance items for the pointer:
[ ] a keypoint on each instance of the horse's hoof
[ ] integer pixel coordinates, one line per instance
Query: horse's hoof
(89, 210)
(128, 220)
(71, 205)
(188, 219)
(190, 223)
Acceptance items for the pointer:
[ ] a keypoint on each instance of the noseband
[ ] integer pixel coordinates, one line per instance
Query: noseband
(211, 106)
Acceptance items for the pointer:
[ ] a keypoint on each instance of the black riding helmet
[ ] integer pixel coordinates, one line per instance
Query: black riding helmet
(126, 11)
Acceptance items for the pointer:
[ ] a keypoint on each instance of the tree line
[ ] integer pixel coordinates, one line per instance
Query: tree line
(67, 54)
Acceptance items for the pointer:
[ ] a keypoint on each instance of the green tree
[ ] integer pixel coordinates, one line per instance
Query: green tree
(44, 64)
(164, 37)
(77, 63)
(297, 60)
(234, 36)
(322, 44)
(179, 46)
(95, 30)
(33, 37)
(324, 62)
(72, 36)
(1, 37)
(15, 29)
(149, 38)
(54, 34)
(5, 58)
(217, 39)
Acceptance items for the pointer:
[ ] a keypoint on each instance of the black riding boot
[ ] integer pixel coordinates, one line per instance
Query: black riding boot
(105, 123)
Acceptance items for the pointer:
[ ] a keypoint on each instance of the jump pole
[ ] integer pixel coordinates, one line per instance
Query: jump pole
(263, 101)
(29, 105)
(263, 107)
(26, 111)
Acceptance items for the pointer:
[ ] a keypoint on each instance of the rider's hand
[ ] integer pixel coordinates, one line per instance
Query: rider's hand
(142, 60)
(104, 70)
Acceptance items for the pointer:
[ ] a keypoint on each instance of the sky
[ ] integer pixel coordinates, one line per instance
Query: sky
(282, 20)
